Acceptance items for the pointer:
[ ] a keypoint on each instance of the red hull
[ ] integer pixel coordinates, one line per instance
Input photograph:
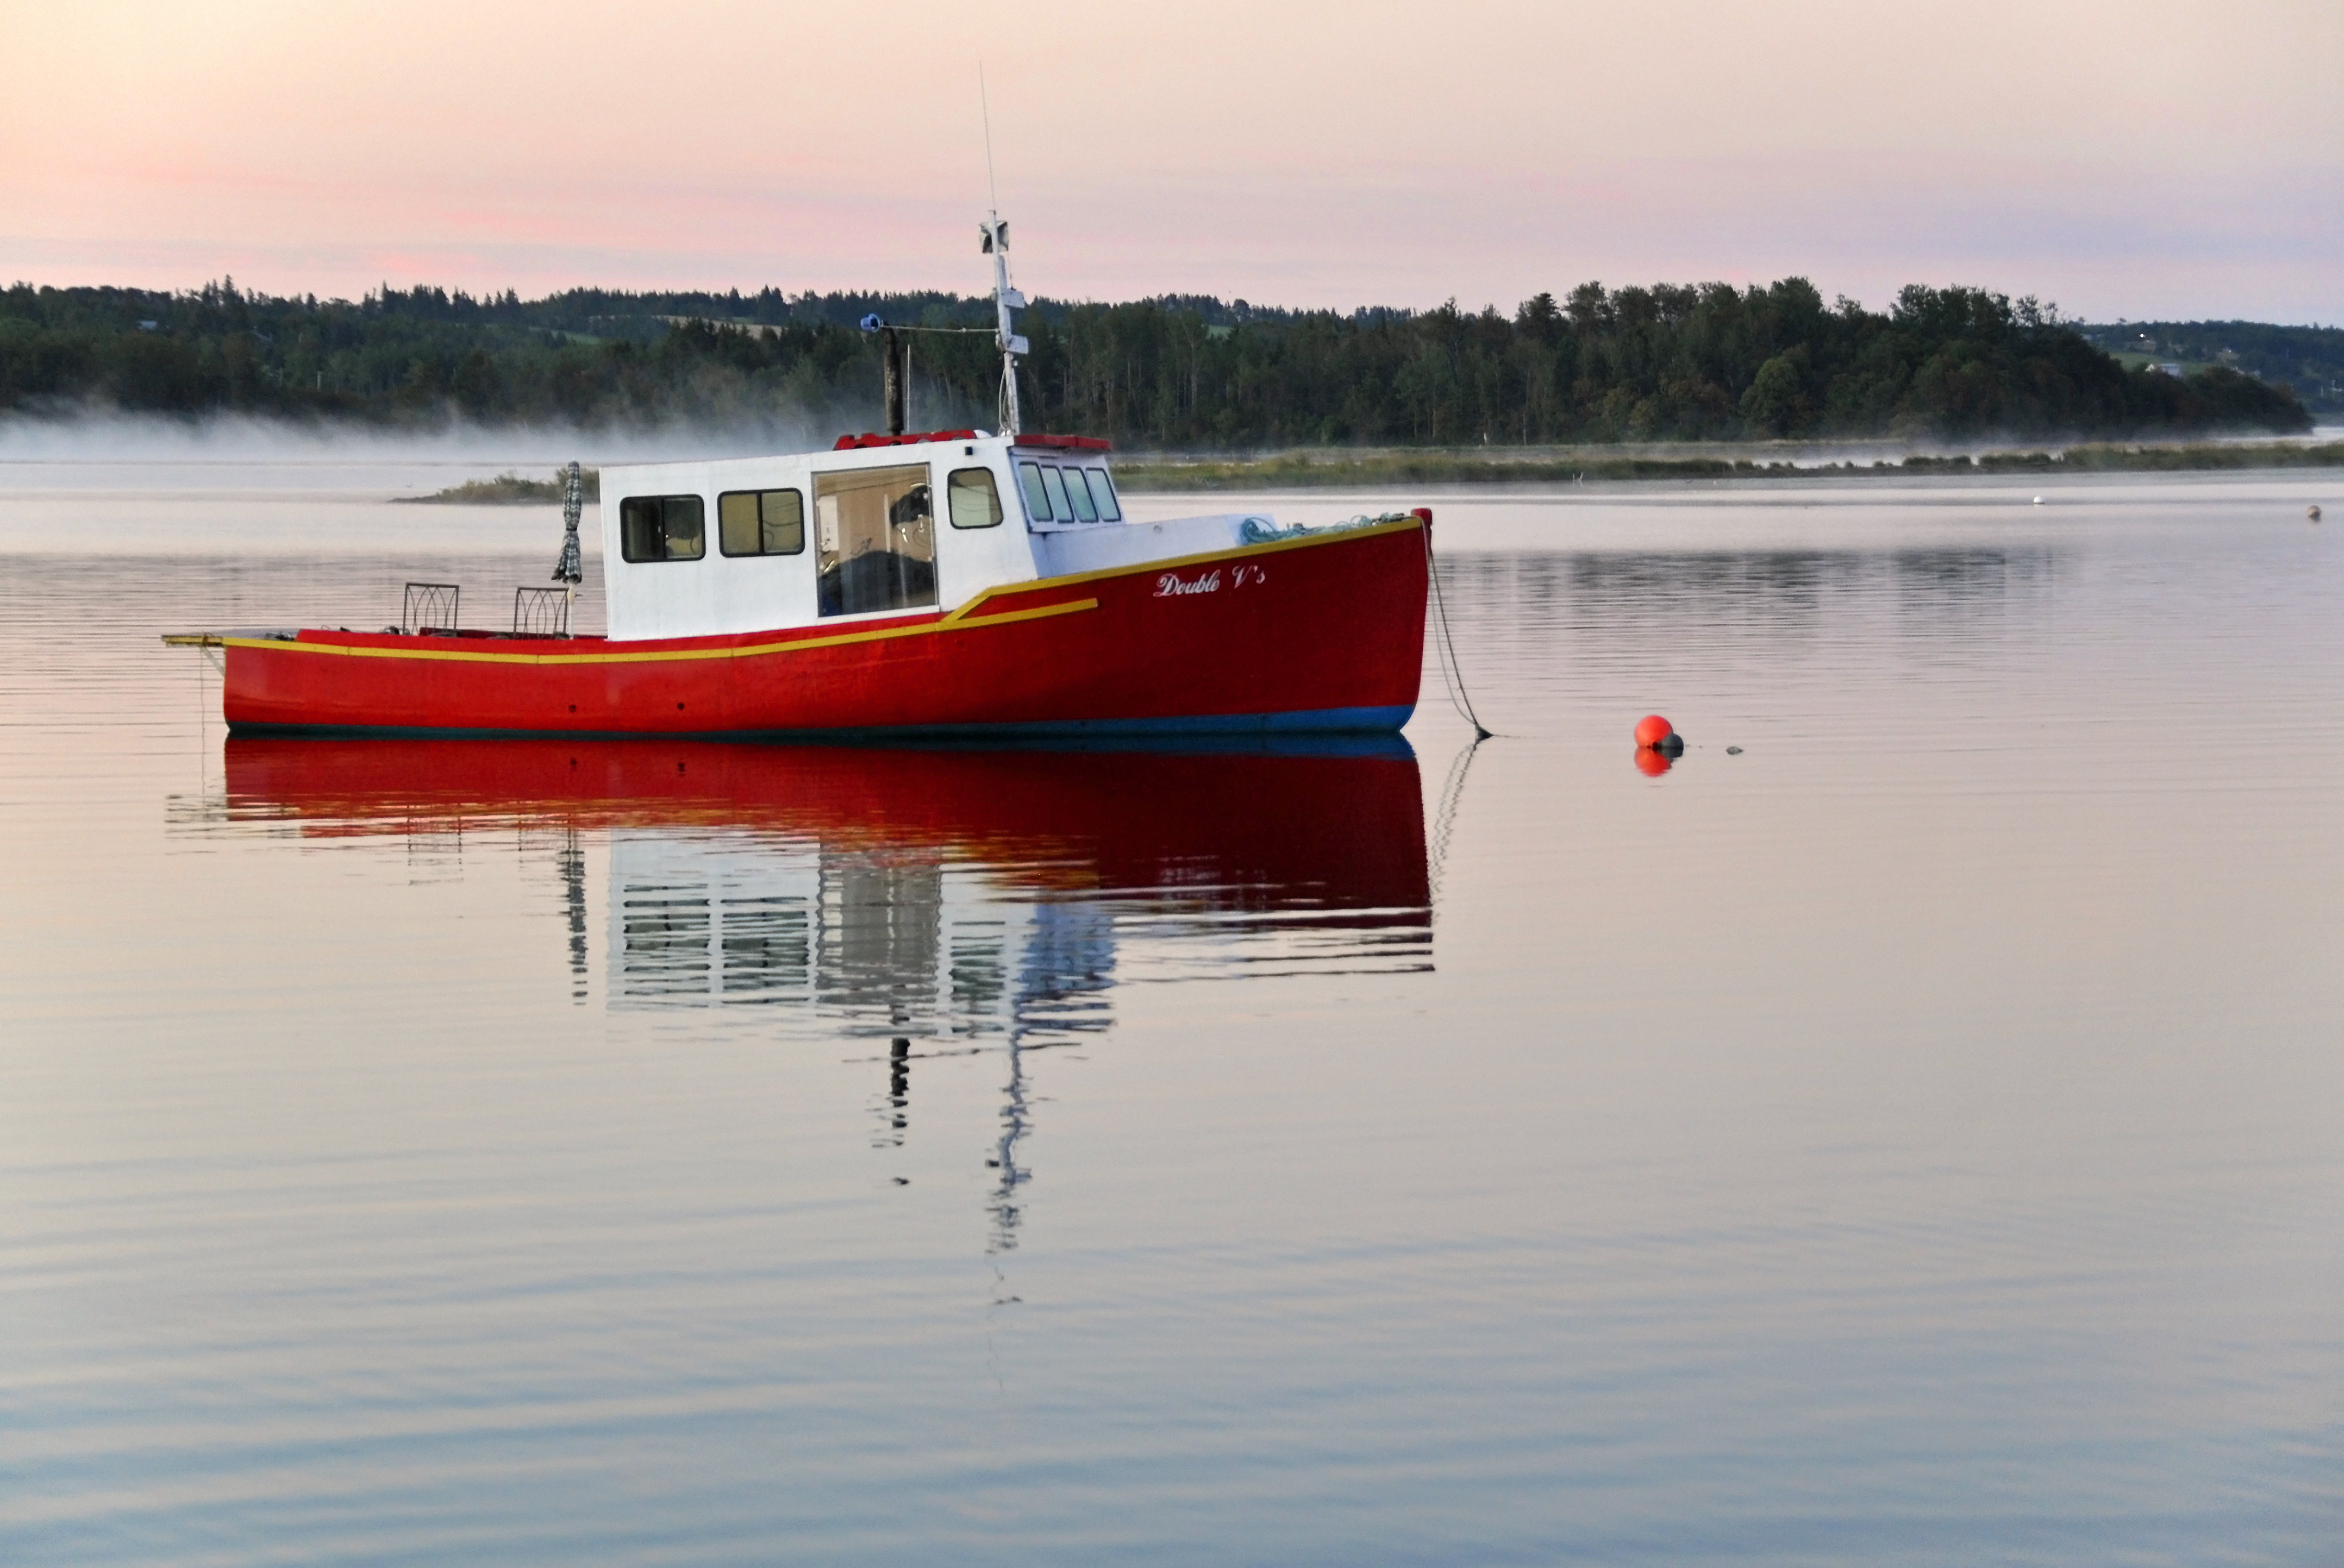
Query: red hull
(1323, 632)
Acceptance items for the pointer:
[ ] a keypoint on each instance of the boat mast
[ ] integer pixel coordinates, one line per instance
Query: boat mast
(1006, 299)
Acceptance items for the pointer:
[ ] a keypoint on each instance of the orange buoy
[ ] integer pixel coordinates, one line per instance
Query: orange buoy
(1651, 761)
(1652, 730)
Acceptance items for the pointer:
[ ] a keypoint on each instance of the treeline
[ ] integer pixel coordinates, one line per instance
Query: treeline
(1636, 364)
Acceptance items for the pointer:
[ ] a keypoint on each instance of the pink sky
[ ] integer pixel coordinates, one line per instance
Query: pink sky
(2121, 157)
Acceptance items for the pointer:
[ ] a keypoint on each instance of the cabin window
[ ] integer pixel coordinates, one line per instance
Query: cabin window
(1110, 510)
(874, 540)
(1053, 484)
(662, 529)
(1079, 494)
(971, 500)
(1038, 500)
(760, 522)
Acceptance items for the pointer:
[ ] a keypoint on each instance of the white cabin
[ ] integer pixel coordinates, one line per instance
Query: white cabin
(913, 524)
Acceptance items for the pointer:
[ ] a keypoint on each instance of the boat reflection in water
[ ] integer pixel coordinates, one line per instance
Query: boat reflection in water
(936, 900)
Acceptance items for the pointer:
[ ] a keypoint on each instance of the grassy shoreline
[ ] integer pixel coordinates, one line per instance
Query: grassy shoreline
(1295, 470)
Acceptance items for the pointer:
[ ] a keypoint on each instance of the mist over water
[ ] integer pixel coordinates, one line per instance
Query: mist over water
(108, 450)
(1913, 1138)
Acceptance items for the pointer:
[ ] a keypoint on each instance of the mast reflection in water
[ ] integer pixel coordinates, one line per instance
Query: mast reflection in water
(928, 900)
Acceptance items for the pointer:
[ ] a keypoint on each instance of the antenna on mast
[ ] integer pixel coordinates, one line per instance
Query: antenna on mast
(984, 103)
(995, 244)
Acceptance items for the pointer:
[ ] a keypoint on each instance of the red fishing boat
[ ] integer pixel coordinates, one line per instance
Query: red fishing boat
(954, 581)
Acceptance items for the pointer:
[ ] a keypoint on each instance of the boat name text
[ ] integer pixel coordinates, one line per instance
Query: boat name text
(1172, 585)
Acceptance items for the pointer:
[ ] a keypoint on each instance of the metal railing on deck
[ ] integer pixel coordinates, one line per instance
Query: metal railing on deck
(429, 606)
(541, 612)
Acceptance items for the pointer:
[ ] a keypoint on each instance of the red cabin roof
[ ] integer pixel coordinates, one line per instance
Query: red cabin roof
(850, 442)
(1064, 443)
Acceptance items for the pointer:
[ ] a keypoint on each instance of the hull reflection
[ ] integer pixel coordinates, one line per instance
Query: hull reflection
(930, 900)
(928, 891)
(1335, 829)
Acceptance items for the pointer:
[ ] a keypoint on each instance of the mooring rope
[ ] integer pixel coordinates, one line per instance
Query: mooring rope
(1452, 675)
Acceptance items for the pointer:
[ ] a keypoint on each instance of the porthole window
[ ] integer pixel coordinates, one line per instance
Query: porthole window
(662, 529)
(760, 522)
(971, 498)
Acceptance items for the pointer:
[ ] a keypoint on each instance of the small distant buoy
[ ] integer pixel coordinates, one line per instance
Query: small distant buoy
(1651, 761)
(1651, 729)
(2311, 512)
(1733, 751)
(2039, 500)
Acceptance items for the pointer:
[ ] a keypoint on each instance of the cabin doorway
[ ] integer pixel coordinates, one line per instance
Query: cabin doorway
(875, 540)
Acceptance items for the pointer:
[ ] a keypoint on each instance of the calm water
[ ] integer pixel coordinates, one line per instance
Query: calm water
(1919, 1138)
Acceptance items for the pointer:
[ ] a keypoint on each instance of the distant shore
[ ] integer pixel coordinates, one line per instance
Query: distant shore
(506, 489)
(1321, 470)
(1325, 470)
